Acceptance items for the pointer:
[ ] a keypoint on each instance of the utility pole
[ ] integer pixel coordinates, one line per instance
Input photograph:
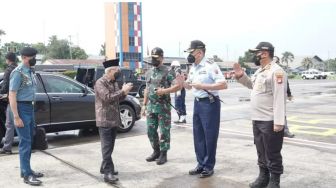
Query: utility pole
(179, 52)
(70, 47)
(227, 52)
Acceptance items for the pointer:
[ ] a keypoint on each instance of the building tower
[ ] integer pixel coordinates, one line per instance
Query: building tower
(123, 33)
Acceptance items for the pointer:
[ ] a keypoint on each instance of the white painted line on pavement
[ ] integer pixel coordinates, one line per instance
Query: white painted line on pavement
(323, 145)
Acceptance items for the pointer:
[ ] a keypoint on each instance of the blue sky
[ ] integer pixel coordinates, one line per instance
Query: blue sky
(303, 27)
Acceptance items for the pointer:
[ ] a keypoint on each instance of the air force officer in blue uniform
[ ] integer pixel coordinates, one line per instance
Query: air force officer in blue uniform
(205, 79)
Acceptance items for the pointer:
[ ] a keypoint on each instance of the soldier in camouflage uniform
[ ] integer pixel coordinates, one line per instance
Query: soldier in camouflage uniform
(159, 84)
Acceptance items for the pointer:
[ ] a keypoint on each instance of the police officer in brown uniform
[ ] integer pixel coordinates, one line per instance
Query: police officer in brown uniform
(268, 102)
(108, 96)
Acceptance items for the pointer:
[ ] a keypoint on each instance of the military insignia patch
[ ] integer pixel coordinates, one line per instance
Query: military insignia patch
(279, 77)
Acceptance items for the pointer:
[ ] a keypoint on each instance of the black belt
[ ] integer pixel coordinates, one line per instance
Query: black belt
(201, 99)
(26, 102)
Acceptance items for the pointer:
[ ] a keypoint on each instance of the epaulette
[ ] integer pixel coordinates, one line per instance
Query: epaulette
(210, 61)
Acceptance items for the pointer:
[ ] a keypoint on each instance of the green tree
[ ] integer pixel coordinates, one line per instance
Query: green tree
(78, 53)
(2, 64)
(40, 47)
(287, 57)
(307, 63)
(248, 56)
(60, 49)
(14, 47)
(330, 65)
(102, 50)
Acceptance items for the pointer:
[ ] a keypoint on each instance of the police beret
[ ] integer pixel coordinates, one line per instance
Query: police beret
(195, 44)
(111, 63)
(28, 51)
(263, 46)
(157, 52)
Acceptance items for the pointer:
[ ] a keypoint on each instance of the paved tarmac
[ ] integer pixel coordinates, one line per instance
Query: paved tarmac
(309, 158)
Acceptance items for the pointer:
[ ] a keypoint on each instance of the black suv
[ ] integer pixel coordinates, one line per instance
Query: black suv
(88, 76)
(64, 104)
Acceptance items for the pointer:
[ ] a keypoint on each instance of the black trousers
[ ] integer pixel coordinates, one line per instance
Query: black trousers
(107, 139)
(269, 145)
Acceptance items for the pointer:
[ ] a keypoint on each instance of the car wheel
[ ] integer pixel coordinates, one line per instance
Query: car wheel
(127, 116)
(142, 91)
(303, 77)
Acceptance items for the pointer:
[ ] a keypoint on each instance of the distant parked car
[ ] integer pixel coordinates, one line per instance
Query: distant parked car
(326, 74)
(313, 74)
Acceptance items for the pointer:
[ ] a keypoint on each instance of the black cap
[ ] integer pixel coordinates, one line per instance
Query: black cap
(263, 46)
(28, 51)
(195, 44)
(111, 63)
(157, 52)
(11, 57)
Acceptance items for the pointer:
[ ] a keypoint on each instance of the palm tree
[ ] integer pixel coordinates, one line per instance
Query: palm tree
(307, 62)
(287, 57)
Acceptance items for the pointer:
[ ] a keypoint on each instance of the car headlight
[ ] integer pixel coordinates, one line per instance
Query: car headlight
(135, 100)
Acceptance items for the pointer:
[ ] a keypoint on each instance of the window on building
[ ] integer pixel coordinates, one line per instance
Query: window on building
(131, 41)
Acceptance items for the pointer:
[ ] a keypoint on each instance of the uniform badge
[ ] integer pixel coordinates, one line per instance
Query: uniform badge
(216, 71)
(279, 77)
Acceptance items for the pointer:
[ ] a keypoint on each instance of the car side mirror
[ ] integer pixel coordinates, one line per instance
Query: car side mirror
(85, 91)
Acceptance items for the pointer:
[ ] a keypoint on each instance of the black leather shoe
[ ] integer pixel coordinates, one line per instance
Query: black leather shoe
(162, 158)
(31, 180)
(36, 174)
(110, 178)
(195, 171)
(114, 172)
(153, 156)
(5, 152)
(206, 173)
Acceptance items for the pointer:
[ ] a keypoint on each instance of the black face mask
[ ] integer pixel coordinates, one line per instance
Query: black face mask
(256, 59)
(32, 62)
(155, 62)
(117, 75)
(191, 58)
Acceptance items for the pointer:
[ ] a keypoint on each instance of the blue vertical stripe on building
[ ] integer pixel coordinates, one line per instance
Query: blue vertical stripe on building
(120, 34)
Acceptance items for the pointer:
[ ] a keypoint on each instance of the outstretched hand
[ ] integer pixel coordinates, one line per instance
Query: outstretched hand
(238, 71)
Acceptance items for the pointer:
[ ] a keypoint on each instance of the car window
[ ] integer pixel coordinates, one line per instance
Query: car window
(39, 88)
(57, 84)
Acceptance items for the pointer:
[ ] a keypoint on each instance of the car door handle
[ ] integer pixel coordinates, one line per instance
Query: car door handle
(56, 98)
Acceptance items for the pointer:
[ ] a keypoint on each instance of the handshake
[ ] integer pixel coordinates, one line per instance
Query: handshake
(126, 88)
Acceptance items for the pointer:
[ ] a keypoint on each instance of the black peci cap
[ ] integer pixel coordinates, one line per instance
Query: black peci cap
(195, 44)
(263, 46)
(157, 52)
(28, 51)
(111, 63)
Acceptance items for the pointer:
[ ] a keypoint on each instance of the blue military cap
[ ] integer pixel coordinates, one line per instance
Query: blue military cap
(111, 63)
(28, 51)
